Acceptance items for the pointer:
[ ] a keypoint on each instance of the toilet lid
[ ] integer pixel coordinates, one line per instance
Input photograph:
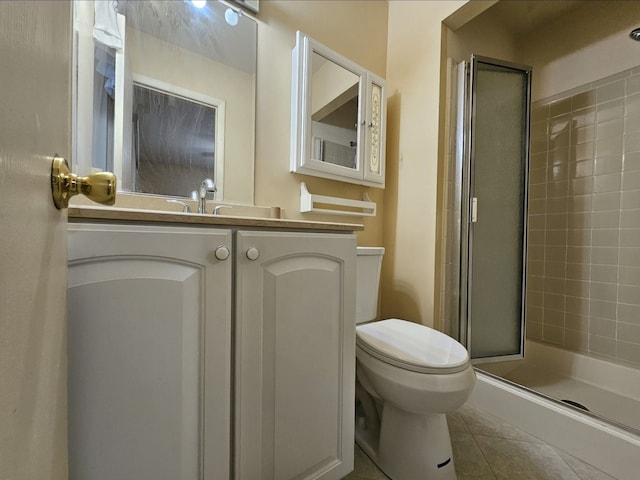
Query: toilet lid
(412, 346)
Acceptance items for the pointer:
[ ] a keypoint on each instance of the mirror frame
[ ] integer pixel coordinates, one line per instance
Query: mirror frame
(301, 160)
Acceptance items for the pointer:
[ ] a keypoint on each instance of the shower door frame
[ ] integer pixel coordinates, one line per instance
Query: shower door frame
(467, 108)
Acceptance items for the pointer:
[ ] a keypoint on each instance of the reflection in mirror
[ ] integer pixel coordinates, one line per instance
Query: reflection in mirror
(170, 132)
(334, 113)
(165, 96)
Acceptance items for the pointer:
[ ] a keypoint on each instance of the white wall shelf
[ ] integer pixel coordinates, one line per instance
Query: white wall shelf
(322, 204)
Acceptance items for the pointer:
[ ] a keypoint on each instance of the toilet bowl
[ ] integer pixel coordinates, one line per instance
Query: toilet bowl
(407, 377)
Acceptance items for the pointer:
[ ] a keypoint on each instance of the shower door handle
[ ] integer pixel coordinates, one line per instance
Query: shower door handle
(474, 209)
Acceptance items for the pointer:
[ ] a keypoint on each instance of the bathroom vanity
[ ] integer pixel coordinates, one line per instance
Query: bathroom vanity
(210, 348)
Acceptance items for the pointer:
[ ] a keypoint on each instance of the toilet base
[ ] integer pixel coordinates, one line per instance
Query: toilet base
(412, 447)
(367, 427)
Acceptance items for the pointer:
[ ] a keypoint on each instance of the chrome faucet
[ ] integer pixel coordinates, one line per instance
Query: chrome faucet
(207, 186)
(216, 210)
(185, 206)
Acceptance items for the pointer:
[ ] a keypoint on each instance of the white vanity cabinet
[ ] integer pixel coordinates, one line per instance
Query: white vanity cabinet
(193, 350)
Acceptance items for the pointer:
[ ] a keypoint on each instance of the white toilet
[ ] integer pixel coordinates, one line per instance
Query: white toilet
(408, 376)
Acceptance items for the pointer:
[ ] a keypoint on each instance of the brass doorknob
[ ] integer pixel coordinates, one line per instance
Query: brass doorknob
(99, 187)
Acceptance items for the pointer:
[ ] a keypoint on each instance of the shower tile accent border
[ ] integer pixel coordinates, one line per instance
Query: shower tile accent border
(583, 290)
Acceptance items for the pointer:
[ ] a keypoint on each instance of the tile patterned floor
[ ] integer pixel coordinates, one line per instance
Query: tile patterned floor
(486, 448)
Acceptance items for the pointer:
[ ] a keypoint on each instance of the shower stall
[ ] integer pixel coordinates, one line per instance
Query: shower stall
(542, 281)
(544, 248)
(541, 274)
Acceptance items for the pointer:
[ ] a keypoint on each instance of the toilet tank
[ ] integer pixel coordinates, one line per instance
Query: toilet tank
(368, 267)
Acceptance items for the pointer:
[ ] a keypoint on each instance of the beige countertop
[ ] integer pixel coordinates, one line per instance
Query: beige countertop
(81, 213)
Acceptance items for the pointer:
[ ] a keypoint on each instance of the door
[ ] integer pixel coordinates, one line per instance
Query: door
(295, 355)
(35, 119)
(494, 218)
(376, 130)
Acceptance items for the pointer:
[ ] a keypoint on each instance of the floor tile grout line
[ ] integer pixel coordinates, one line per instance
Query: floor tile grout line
(557, 450)
(501, 436)
(473, 435)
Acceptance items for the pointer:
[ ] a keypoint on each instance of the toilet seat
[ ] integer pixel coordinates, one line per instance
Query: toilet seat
(411, 346)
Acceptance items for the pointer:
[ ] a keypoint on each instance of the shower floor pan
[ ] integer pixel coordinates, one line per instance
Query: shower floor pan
(604, 388)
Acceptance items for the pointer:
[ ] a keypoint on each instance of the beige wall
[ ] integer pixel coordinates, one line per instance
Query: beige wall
(565, 52)
(485, 36)
(356, 29)
(410, 213)
(588, 44)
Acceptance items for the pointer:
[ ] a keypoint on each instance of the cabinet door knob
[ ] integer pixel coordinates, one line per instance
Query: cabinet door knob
(253, 253)
(222, 252)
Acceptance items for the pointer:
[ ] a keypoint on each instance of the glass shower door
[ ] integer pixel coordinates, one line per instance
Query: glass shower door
(494, 224)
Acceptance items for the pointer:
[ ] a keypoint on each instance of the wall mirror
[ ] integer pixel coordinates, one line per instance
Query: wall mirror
(165, 95)
(338, 116)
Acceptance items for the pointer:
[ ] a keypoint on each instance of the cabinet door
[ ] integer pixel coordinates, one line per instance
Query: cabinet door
(149, 313)
(295, 357)
(375, 133)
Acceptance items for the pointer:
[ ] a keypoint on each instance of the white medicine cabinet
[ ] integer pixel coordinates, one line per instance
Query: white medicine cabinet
(338, 116)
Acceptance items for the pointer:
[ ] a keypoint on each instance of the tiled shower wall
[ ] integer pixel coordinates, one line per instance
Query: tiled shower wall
(583, 277)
